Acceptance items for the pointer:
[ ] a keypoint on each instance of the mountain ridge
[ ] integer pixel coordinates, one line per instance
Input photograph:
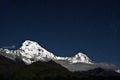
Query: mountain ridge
(31, 51)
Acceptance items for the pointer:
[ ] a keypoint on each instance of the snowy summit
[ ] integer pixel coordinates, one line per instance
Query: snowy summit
(32, 51)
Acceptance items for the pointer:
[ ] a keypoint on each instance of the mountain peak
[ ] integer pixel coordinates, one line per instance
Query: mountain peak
(31, 51)
(80, 57)
(30, 43)
(80, 54)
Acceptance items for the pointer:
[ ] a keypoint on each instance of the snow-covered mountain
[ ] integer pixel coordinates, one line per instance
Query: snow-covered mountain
(80, 57)
(31, 51)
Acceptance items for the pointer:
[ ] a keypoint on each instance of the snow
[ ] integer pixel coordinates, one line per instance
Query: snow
(80, 57)
(31, 51)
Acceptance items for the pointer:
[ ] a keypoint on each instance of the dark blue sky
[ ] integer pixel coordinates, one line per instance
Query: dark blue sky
(64, 27)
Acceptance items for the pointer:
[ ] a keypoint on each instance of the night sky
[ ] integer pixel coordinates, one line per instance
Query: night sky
(64, 27)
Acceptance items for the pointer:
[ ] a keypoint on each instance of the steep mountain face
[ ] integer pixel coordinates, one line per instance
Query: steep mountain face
(31, 51)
